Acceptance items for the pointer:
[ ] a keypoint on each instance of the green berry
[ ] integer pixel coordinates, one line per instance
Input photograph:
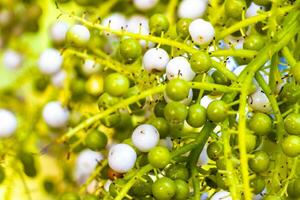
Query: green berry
(130, 50)
(196, 116)
(96, 140)
(175, 112)
(159, 157)
(177, 89)
(261, 124)
(217, 111)
(158, 23)
(164, 189)
(116, 84)
(200, 62)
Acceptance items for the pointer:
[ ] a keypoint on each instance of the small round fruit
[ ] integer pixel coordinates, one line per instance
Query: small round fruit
(142, 188)
(292, 124)
(260, 123)
(121, 158)
(69, 196)
(214, 150)
(217, 111)
(220, 78)
(105, 101)
(8, 123)
(177, 89)
(155, 59)
(159, 109)
(116, 84)
(12, 59)
(251, 142)
(182, 27)
(290, 145)
(78, 35)
(94, 85)
(144, 5)
(177, 171)
(159, 157)
(130, 50)
(179, 67)
(164, 189)
(50, 61)
(191, 9)
(196, 116)
(260, 162)
(96, 140)
(145, 137)
(55, 115)
(258, 101)
(200, 62)
(182, 190)
(58, 32)
(201, 31)
(158, 24)
(175, 112)
(234, 8)
(254, 42)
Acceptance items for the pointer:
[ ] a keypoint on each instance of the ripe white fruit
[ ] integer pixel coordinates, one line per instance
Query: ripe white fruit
(167, 142)
(179, 67)
(86, 162)
(144, 5)
(8, 123)
(155, 59)
(192, 8)
(114, 21)
(121, 158)
(145, 137)
(12, 59)
(253, 10)
(58, 31)
(201, 31)
(50, 61)
(80, 32)
(224, 195)
(89, 67)
(55, 115)
(58, 78)
(258, 101)
(140, 25)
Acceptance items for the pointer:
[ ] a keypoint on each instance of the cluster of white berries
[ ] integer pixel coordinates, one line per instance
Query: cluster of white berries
(122, 157)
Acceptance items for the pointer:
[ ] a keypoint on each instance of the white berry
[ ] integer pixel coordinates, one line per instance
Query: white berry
(144, 5)
(167, 142)
(145, 137)
(89, 67)
(8, 123)
(78, 34)
(224, 195)
(55, 115)
(86, 162)
(58, 31)
(58, 78)
(192, 8)
(50, 61)
(201, 31)
(179, 67)
(258, 101)
(253, 10)
(121, 158)
(139, 24)
(115, 21)
(12, 59)
(155, 59)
